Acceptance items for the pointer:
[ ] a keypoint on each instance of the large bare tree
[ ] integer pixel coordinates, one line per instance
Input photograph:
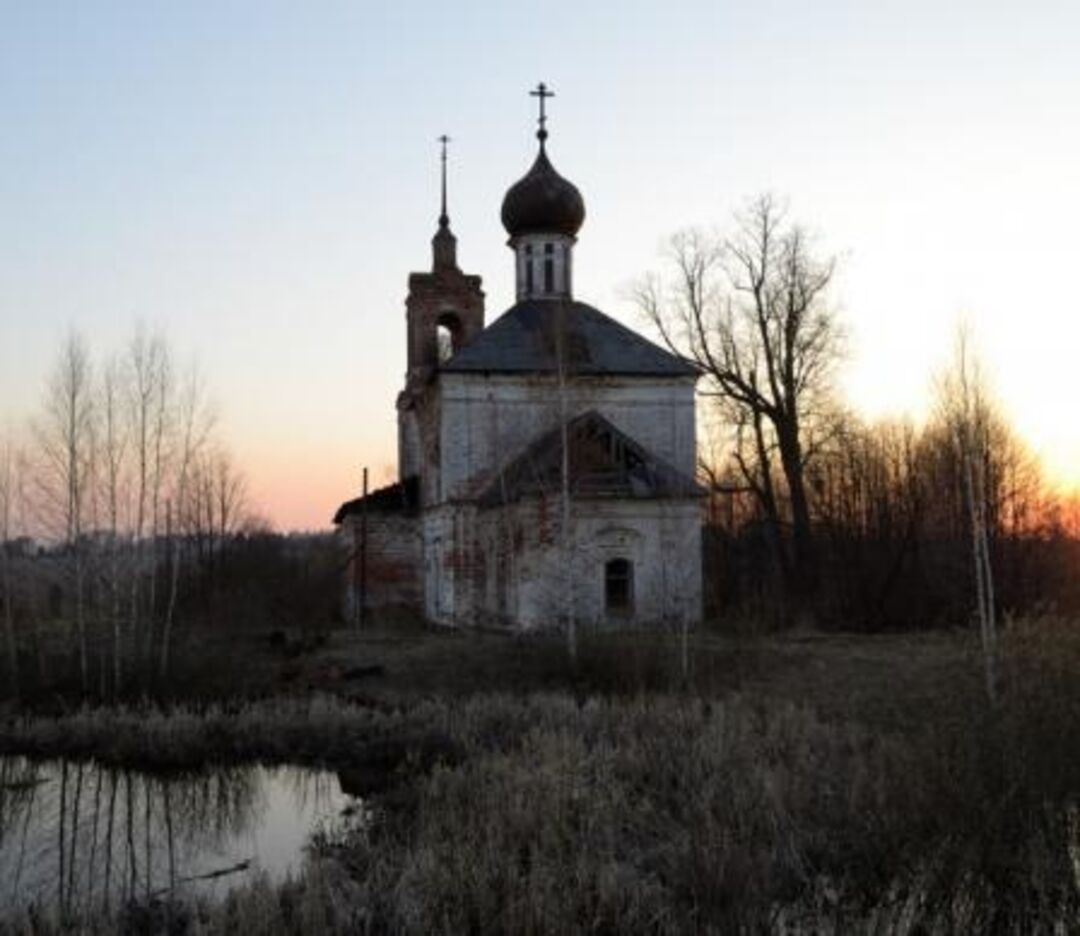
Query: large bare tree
(751, 310)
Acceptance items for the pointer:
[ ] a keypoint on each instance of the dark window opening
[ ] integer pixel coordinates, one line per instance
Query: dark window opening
(448, 337)
(549, 268)
(528, 271)
(619, 586)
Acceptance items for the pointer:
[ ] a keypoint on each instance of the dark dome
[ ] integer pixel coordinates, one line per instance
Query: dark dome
(543, 202)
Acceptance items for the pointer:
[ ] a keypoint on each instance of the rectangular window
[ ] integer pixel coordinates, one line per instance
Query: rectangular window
(619, 587)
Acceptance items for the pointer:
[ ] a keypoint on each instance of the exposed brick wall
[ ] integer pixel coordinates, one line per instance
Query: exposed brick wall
(394, 561)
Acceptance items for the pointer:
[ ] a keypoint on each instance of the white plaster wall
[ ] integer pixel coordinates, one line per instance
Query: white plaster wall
(661, 538)
(486, 421)
(438, 544)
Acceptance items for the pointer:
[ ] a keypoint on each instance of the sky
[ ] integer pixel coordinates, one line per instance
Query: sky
(257, 179)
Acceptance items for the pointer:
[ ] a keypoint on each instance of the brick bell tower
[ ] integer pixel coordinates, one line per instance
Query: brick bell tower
(444, 311)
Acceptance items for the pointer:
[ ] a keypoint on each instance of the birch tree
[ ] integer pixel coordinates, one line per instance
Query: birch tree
(966, 411)
(566, 544)
(194, 422)
(65, 445)
(114, 448)
(9, 507)
(148, 369)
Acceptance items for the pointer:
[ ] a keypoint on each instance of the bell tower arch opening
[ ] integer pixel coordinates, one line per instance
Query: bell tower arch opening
(448, 336)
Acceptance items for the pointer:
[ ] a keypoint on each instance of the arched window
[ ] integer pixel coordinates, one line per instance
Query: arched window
(549, 268)
(619, 587)
(528, 269)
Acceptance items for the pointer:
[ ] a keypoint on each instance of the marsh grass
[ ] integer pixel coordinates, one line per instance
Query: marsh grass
(916, 809)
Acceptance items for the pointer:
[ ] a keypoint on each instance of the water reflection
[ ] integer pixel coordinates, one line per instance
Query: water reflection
(84, 838)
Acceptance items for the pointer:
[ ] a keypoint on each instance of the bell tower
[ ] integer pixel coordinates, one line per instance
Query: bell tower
(444, 311)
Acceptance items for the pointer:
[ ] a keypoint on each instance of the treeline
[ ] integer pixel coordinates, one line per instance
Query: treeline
(122, 518)
(892, 531)
(814, 514)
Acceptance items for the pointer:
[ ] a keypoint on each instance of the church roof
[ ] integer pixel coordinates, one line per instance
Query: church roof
(523, 339)
(400, 497)
(604, 462)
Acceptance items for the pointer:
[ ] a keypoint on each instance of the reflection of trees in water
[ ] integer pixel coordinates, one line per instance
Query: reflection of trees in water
(1072, 825)
(311, 792)
(82, 837)
(19, 783)
(210, 808)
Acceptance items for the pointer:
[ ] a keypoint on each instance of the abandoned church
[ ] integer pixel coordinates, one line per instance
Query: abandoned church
(546, 461)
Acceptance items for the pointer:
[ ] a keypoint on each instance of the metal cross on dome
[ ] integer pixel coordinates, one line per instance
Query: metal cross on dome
(542, 92)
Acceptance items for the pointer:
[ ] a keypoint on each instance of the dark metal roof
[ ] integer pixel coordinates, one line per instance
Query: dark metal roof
(523, 339)
(604, 462)
(400, 497)
(543, 202)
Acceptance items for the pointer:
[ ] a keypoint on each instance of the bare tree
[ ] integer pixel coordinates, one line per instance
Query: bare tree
(230, 493)
(751, 311)
(194, 422)
(162, 432)
(566, 541)
(9, 506)
(148, 369)
(65, 442)
(114, 450)
(963, 402)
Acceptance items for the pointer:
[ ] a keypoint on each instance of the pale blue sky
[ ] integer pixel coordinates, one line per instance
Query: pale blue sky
(258, 179)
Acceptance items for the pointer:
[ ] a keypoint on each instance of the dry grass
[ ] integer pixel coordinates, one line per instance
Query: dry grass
(816, 783)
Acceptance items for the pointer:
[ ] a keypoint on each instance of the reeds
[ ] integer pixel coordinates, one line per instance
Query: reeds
(555, 813)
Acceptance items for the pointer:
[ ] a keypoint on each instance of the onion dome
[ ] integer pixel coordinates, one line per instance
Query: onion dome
(543, 202)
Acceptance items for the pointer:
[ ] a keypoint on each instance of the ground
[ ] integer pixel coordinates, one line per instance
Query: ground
(886, 680)
(822, 783)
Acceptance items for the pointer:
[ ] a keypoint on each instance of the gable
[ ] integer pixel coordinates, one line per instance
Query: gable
(603, 462)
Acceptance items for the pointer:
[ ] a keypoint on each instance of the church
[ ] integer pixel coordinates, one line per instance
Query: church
(546, 461)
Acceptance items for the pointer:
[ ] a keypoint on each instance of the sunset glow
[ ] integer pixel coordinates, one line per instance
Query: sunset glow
(257, 181)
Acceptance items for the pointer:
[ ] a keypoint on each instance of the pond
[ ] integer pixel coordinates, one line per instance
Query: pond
(82, 838)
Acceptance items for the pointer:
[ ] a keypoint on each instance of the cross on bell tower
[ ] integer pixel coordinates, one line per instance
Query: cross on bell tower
(443, 244)
(444, 218)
